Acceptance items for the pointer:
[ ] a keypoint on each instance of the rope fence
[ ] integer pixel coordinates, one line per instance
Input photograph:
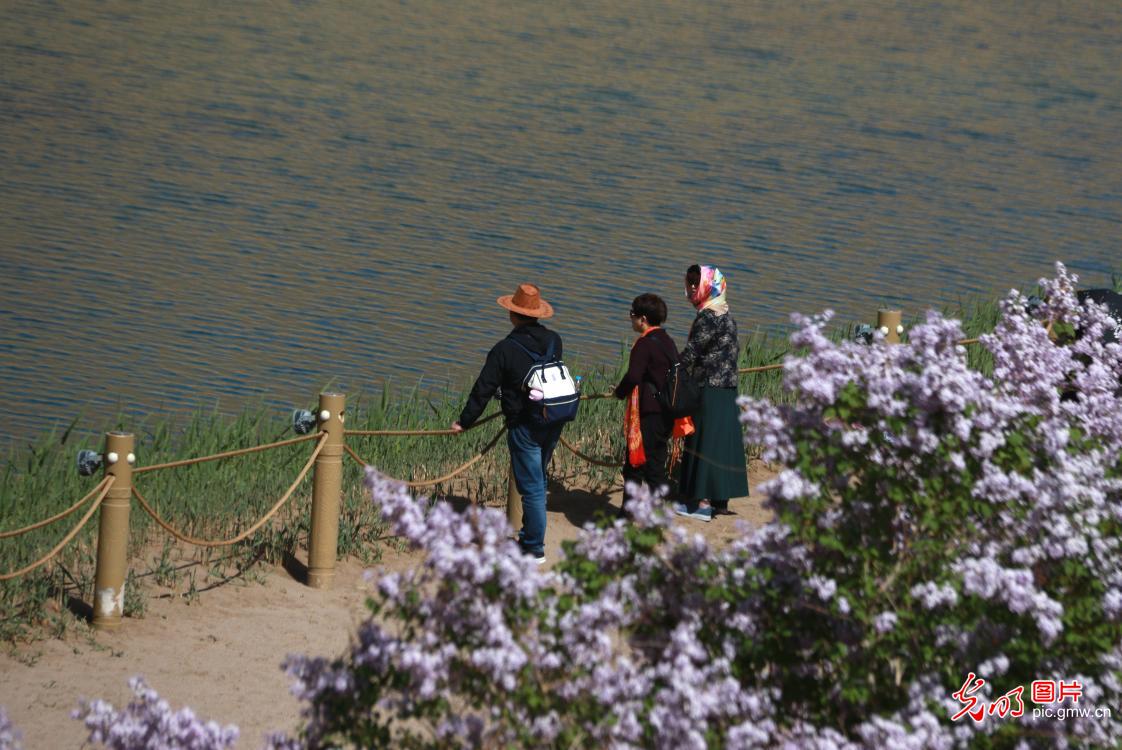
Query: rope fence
(455, 472)
(57, 516)
(589, 459)
(761, 368)
(114, 492)
(227, 454)
(407, 433)
(248, 532)
(779, 366)
(105, 486)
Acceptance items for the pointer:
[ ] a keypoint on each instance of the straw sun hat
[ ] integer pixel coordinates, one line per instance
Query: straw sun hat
(527, 300)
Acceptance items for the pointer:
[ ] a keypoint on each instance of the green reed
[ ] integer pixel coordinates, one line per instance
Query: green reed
(217, 499)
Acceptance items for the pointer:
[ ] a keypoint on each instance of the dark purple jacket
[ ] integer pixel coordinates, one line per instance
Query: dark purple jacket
(651, 357)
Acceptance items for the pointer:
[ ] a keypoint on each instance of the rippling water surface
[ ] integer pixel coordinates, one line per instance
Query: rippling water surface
(211, 203)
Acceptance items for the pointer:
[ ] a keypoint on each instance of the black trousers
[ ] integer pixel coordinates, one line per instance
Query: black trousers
(655, 429)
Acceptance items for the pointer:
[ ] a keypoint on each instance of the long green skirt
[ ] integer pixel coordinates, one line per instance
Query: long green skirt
(713, 465)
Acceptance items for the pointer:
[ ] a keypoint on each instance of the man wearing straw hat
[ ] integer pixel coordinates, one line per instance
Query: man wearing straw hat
(504, 371)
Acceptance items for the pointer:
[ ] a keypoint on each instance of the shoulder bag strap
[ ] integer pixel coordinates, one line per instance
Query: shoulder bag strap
(673, 358)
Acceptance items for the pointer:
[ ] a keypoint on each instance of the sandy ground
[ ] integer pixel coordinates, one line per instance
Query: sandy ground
(221, 652)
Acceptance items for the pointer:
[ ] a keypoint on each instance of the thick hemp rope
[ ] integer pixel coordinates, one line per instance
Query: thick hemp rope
(779, 366)
(401, 433)
(762, 368)
(107, 485)
(463, 467)
(589, 459)
(598, 462)
(58, 516)
(227, 454)
(248, 532)
(430, 482)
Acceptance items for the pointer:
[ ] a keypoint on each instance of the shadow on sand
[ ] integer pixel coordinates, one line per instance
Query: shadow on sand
(580, 505)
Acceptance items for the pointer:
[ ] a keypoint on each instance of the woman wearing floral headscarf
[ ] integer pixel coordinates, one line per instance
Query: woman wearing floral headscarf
(713, 468)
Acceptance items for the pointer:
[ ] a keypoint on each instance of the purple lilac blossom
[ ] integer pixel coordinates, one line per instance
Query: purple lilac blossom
(1008, 438)
(148, 723)
(10, 737)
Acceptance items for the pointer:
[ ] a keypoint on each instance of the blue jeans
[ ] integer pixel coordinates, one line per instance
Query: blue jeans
(530, 450)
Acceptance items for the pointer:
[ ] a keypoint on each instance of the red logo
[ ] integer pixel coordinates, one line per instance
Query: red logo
(1056, 691)
(1009, 704)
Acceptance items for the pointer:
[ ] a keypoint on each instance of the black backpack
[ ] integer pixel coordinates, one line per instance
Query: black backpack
(681, 394)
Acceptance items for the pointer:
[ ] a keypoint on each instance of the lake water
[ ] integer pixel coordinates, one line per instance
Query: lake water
(211, 203)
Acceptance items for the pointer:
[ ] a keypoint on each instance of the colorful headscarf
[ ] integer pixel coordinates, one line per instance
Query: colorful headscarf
(710, 294)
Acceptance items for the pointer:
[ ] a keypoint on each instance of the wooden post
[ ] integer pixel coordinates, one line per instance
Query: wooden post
(889, 323)
(113, 533)
(513, 503)
(327, 491)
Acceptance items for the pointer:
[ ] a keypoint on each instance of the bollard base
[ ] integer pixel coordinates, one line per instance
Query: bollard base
(109, 607)
(106, 623)
(320, 579)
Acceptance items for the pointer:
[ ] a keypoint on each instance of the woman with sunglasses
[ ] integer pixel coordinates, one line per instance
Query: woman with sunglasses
(646, 426)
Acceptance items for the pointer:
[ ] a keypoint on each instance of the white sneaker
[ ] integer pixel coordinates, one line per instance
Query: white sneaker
(699, 513)
(540, 560)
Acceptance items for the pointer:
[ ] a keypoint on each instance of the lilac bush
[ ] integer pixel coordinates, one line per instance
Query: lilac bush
(148, 723)
(940, 521)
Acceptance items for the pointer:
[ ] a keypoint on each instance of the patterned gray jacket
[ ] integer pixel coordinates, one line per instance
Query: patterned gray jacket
(712, 349)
